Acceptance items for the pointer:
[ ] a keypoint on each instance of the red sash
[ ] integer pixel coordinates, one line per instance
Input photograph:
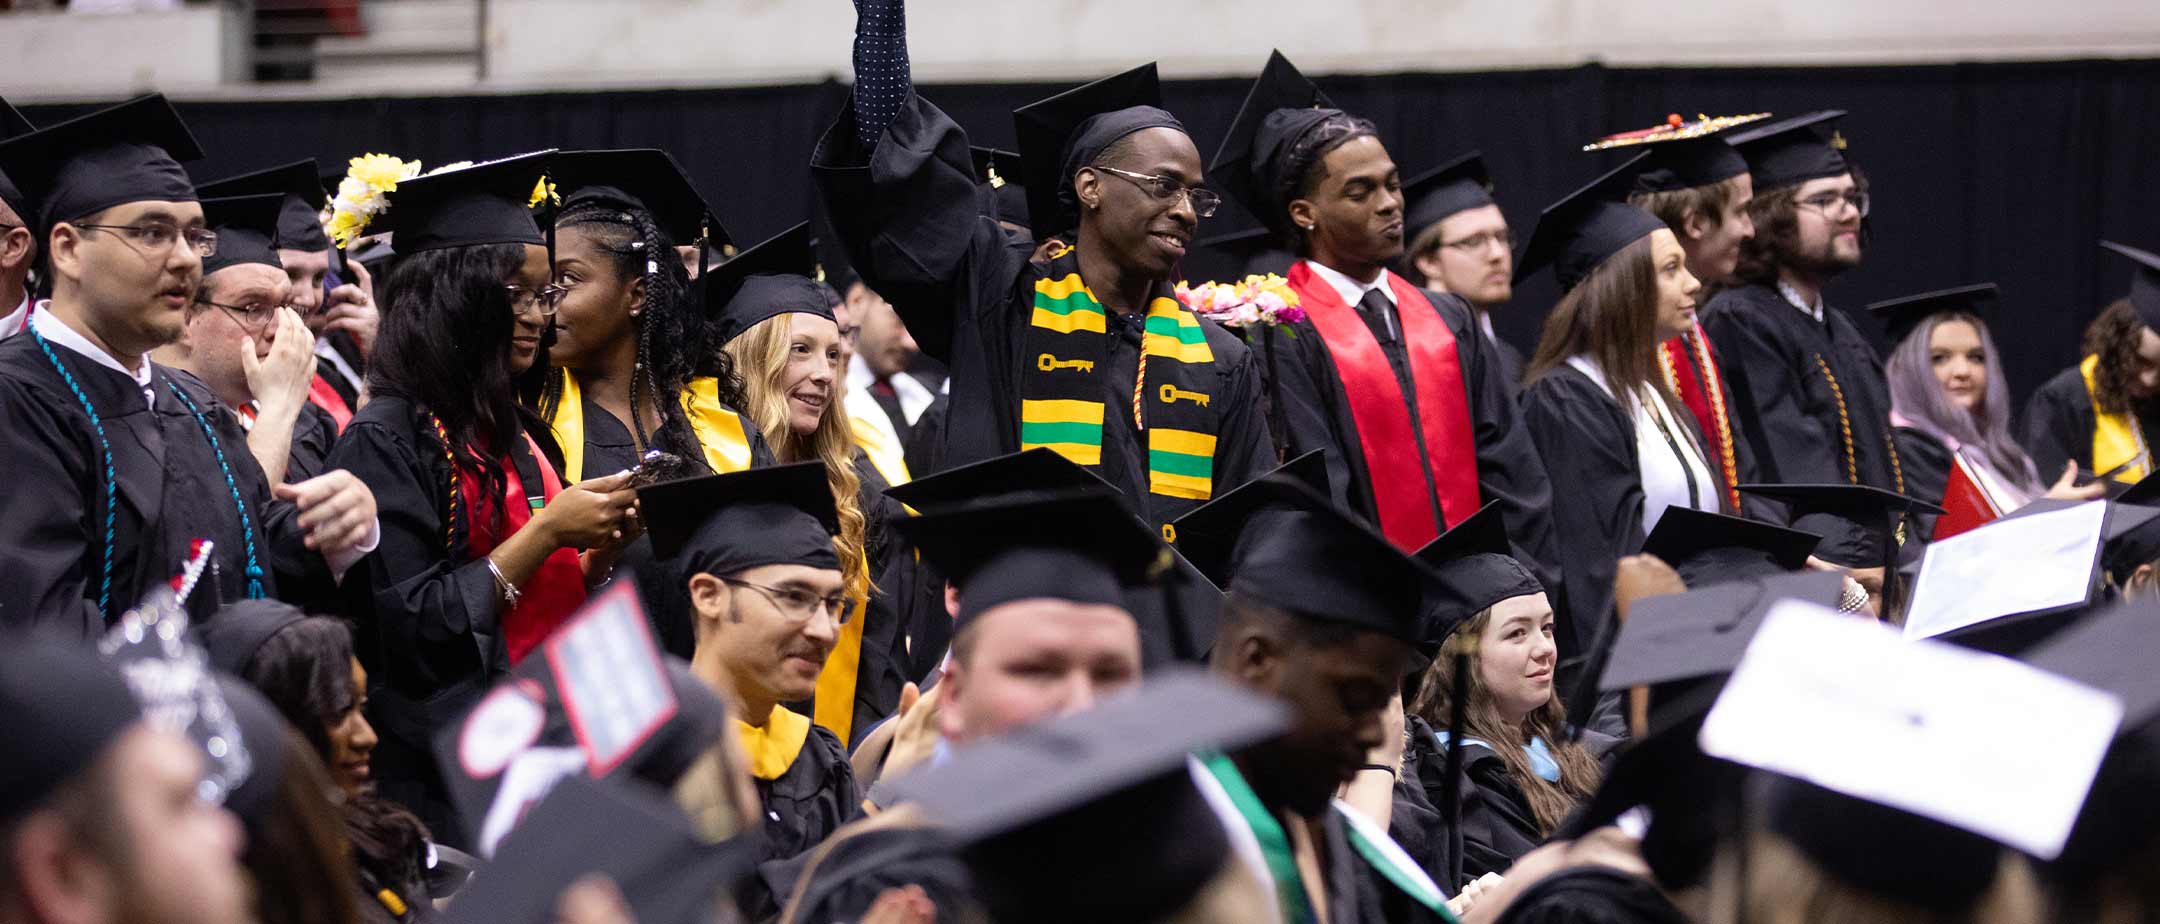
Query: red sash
(1966, 505)
(1708, 405)
(1382, 417)
(323, 396)
(557, 589)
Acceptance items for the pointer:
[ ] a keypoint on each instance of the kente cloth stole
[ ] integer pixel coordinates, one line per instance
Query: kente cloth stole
(719, 430)
(773, 746)
(2117, 438)
(1691, 371)
(1384, 428)
(1173, 404)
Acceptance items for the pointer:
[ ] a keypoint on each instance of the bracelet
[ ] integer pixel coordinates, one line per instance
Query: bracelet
(1852, 597)
(1390, 771)
(509, 591)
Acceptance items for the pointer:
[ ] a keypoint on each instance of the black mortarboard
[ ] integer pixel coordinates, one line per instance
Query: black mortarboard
(64, 706)
(2132, 541)
(997, 174)
(1792, 151)
(1876, 511)
(1882, 850)
(1213, 527)
(247, 229)
(1071, 545)
(267, 737)
(1477, 568)
(1579, 232)
(1682, 155)
(1066, 132)
(1033, 471)
(1095, 816)
(647, 178)
(1592, 893)
(1703, 632)
(1279, 109)
(486, 203)
(1234, 256)
(1295, 549)
(1452, 187)
(239, 629)
(634, 836)
(1901, 316)
(1709, 548)
(299, 224)
(127, 153)
(722, 524)
(2144, 282)
(12, 123)
(776, 277)
(2112, 651)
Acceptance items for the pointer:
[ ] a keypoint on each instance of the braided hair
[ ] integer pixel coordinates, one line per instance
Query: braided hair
(1303, 167)
(674, 344)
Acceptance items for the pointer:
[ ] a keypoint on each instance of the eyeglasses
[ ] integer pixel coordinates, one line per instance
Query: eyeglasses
(1167, 189)
(799, 604)
(254, 318)
(1824, 202)
(159, 235)
(1475, 244)
(544, 299)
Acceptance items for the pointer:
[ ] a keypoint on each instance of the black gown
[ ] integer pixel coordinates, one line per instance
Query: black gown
(860, 865)
(892, 612)
(1496, 825)
(2059, 421)
(1315, 414)
(172, 490)
(1773, 356)
(314, 432)
(1927, 462)
(802, 807)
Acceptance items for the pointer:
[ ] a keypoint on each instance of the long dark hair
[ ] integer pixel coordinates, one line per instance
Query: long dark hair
(445, 347)
(674, 345)
(1611, 316)
(305, 670)
(299, 859)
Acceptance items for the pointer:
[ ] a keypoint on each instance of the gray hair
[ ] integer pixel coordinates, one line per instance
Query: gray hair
(1917, 396)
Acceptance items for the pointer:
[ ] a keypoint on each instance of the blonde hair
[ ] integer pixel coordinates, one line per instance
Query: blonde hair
(761, 354)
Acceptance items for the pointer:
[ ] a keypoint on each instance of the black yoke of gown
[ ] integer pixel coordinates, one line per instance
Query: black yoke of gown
(171, 492)
(803, 807)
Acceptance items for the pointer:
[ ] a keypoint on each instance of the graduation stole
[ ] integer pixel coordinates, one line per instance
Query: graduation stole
(326, 397)
(1691, 372)
(2117, 438)
(718, 429)
(773, 746)
(1061, 388)
(1382, 417)
(1380, 851)
(1297, 907)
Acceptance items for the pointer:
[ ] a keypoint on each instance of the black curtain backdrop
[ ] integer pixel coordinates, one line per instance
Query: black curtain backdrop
(1981, 172)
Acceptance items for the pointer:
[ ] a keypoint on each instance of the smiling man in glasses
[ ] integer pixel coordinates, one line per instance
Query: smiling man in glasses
(120, 465)
(1087, 352)
(249, 347)
(1808, 387)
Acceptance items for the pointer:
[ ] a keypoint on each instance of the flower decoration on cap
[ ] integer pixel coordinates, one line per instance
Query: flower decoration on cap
(1674, 128)
(544, 191)
(1253, 301)
(360, 196)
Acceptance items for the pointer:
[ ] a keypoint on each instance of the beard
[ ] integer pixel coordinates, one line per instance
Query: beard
(1826, 260)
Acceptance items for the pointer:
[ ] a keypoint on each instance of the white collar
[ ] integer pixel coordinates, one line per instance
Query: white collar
(1351, 290)
(1792, 297)
(913, 394)
(51, 328)
(15, 321)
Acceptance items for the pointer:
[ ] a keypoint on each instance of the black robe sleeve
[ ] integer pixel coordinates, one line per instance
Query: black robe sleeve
(312, 435)
(1511, 466)
(2059, 421)
(1296, 389)
(1927, 462)
(864, 863)
(52, 582)
(802, 807)
(1588, 444)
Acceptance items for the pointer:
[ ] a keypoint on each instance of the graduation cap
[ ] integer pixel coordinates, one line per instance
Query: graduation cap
(1233, 256)
(2111, 651)
(127, 153)
(2131, 540)
(1477, 569)
(1070, 545)
(1452, 187)
(997, 175)
(637, 838)
(486, 203)
(723, 524)
(1878, 513)
(2144, 281)
(1682, 154)
(1207, 535)
(776, 277)
(1291, 546)
(1280, 108)
(646, 178)
(1703, 632)
(247, 231)
(1792, 151)
(64, 707)
(299, 224)
(1066, 132)
(1029, 472)
(1708, 547)
(266, 735)
(1901, 316)
(1578, 233)
(12, 123)
(239, 629)
(1095, 816)
(2013, 583)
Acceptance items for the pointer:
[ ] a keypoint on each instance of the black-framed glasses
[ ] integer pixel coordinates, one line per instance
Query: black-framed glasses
(797, 603)
(1168, 189)
(1477, 243)
(160, 235)
(254, 318)
(544, 299)
(1824, 202)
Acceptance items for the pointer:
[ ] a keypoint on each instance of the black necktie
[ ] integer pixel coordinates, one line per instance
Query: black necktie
(1375, 304)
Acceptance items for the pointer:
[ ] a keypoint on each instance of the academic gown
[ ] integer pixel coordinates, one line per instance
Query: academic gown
(172, 490)
(1315, 414)
(1927, 463)
(314, 432)
(2059, 422)
(844, 882)
(1774, 356)
(802, 806)
(884, 665)
(1496, 825)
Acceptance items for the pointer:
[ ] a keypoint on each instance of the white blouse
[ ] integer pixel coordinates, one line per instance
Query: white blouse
(1670, 464)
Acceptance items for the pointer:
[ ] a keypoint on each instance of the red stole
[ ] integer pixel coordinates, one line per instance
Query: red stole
(1400, 494)
(1706, 401)
(323, 396)
(558, 588)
